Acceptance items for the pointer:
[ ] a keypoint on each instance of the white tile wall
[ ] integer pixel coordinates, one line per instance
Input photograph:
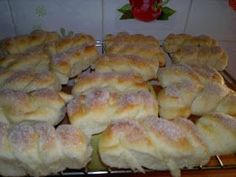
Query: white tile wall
(160, 29)
(212, 17)
(6, 25)
(75, 15)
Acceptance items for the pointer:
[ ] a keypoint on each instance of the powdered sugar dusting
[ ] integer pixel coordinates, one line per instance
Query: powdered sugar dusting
(165, 127)
(228, 120)
(22, 136)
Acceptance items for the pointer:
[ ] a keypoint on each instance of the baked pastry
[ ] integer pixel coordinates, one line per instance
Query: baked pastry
(34, 61)
(117, 82)
(127, 64)
(146, 47)
(188, 89)
(26, 43)
(214, 56)
(176, 73)
(41, 105)
(219, 133)
(153, 143)
(38, 149)
(28, 80)
(227, 104)
(174, 42)
(71, 55)
(208, 99)
(93, 111)
(175, 100)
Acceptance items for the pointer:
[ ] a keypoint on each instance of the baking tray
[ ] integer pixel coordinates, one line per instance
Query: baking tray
(95, 167)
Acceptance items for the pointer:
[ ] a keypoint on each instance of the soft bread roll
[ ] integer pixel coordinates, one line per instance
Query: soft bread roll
(190, 89)
(127, 64)
(214, 56)
(152, 143)
(24, 43)
(9, 166)
(121, 82)
(146, 47)
(173, 42)
(24, 142)
(228, 104)
(175, 100)
(182, 72)
(40, 150)
(28, 80)
(124, 37)
(219, 132)
(125, 144)
(208, 74)
(72, 55)
(74, 145)
(93, 111)
(42, 105)
(207, 100)
(34, 61)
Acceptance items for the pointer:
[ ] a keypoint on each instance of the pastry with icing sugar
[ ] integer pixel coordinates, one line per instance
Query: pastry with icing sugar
(118, 82)
(153, 143)
(40, 105)
(38, 149)
(27, 43)
(173, 42)
(71, 55)
(127, 64)
(146, 47)
(199, 50)
(92, 112)
(188, 89)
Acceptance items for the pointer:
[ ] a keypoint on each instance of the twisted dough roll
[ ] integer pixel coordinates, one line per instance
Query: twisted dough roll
(33, 61)
(93, 111)
(38, 149)
(200, 50)
(174, 42)
(219, 132)
(214, 56)
(118, 82)
(127, 64)
(25, 43)
(42, 105)
(193, 90)
(72, 55)
(146, 47)
(153, 143)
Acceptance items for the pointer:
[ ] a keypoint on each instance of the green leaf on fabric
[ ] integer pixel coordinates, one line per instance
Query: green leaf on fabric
(125, 8)
(166, 13)
(127, 15)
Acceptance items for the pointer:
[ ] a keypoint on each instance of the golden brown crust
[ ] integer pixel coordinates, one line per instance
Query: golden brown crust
(146, 47)
(173, 42)
(41, 105)
(21, 44)
(153, 143)
(127, 64)
(120, 82)
(213, 56)
(219, 133)
(39, 149)
(95, 110)
(28, 80)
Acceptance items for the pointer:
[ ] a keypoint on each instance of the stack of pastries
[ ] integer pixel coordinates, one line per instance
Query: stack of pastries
(137, 127)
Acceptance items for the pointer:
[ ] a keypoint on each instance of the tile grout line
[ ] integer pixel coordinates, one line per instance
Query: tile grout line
(102, 20)
(188, 13)
(12, 18)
